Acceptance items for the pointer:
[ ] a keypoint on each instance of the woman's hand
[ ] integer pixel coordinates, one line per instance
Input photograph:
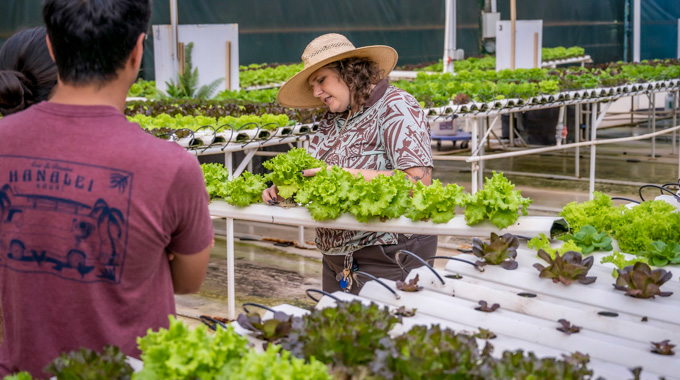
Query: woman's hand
(271, 195)
(312, 172)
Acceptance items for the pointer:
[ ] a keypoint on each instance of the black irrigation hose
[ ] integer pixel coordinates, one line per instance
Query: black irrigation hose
(625, 199)
(372, 277)
(402, 251)
(677, 198)
(479, 268)
(211, 322)
(257, 305)
(322, 292)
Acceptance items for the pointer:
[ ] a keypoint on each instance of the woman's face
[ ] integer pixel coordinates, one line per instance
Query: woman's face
(327, 85)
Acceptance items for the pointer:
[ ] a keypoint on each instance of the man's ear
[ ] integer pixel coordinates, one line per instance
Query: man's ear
(138, 51)
(49, 46)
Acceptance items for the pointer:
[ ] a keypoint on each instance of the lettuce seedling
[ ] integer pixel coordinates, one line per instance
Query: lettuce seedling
(286, 170)
(485, 308)
(640, 281)
(484, 334)
(501, 250)
(659, 253)
(244, 190)
(619, 259)
(589, 240)
(567, 328)
(88, 364)
(566, 268)
(404, 311)
(270, 330)
(498, 201)
(663, 348)
(410, 286)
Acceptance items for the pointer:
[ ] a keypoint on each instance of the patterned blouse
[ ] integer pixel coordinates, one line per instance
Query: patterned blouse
(390, 132)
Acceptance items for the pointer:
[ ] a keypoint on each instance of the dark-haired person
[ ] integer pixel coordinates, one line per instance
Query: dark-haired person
(370, 128)
(27, 77)
(95, 204)
(27, 72)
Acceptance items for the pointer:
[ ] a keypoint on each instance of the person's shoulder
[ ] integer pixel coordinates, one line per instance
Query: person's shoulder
(395, 94)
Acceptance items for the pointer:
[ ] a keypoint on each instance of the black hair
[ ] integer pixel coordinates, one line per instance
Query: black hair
(27, 72)
(92, 39)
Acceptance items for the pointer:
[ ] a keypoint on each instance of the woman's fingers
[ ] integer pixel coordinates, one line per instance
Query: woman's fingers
(271, 195)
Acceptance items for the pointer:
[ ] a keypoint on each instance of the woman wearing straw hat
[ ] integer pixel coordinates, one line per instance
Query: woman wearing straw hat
(370, 128)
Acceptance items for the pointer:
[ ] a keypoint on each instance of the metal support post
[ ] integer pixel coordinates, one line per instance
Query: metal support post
(475, 165)
(482, 132)
(229, 164)
(596, 120)
(231, 281)
(652, 107)
(577, 137)
(246, 161)
(449, 36)
(511, 128)
(675, 113)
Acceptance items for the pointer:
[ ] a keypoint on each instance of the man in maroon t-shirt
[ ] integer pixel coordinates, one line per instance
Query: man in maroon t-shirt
(92, 207)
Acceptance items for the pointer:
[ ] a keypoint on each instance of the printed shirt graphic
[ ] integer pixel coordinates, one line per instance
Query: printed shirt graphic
(391, 132)
(52, 222)
(90, 205)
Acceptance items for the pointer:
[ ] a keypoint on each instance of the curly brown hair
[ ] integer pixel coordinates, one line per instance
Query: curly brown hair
(359, 74)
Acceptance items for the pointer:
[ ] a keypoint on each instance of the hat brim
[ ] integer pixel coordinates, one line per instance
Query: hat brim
(296, 92)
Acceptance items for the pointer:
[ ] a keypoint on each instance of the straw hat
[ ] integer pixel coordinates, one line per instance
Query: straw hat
(321, 51)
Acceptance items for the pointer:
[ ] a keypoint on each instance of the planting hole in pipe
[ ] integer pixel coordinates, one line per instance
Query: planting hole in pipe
(608, 314)
(526, 295)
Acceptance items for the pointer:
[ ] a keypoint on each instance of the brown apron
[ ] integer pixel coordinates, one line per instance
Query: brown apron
(378, 260)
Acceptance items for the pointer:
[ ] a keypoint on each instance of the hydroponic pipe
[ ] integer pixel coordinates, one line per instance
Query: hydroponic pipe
(211, 322)
(478, 267)
(625, 199)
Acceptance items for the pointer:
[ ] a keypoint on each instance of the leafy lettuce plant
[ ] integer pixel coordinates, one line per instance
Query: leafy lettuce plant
(501, 250)
(276, 363)
(244, 190)
(270, 330)
(599, 213)
(215, 176)
(497, 201)
(566, 268)
(286, 170)
(518, 365)
(659, 253)
(183, 353)
(427, 353)
(643, 224)
(619, 259)
(435, 202)
(88, 364)
(23, 375)
(383, 197)
(640, 281)
(327, 195)
(542, 242)
(345, 337)
(589, 240)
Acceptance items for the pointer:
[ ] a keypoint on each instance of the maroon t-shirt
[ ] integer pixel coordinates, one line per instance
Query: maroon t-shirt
(89, 206)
